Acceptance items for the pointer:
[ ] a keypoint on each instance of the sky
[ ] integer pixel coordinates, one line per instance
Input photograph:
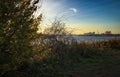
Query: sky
(84, 15)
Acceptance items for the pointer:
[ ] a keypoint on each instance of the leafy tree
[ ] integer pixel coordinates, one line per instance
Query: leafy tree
(18, 29)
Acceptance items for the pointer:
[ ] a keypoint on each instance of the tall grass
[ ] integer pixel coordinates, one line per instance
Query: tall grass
(50, 58)
(66, 51)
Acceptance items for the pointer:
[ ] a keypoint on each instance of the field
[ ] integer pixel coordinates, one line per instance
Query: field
(98, 59)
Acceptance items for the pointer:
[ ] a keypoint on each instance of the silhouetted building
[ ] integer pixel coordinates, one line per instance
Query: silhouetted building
(108, 33)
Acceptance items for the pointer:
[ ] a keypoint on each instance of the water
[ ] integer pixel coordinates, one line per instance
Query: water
(94, 38)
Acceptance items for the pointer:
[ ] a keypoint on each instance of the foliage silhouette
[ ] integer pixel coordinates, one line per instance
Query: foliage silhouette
(18, 29)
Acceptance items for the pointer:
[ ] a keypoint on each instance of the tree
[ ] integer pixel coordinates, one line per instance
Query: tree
(57, 30)
(57, 38)
(18, 29)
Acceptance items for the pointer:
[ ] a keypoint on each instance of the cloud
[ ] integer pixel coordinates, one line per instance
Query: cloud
(74, 10)
(51, 9)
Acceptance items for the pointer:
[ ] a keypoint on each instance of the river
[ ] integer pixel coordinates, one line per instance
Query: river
(94, 38)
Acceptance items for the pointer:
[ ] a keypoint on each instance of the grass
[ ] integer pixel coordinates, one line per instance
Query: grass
(97, 59)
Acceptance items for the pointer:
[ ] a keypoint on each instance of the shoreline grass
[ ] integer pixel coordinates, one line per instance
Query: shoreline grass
(96, 59)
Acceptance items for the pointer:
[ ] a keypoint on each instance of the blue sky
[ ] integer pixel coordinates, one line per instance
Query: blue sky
(84, 15)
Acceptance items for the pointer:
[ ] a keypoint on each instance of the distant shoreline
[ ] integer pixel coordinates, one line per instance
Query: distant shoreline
(97, 35)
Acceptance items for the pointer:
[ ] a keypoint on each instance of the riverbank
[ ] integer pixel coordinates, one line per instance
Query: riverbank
(97, 59)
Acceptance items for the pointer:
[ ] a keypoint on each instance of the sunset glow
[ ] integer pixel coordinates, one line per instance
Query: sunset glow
(84, 15)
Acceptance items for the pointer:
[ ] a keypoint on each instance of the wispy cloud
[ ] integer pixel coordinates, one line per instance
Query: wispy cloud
(74, 10)
(53, 8)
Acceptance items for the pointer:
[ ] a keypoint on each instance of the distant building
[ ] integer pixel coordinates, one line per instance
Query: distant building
(108, 33)
(89, 33)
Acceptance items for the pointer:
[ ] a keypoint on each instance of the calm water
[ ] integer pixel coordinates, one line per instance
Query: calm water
(94, 38)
